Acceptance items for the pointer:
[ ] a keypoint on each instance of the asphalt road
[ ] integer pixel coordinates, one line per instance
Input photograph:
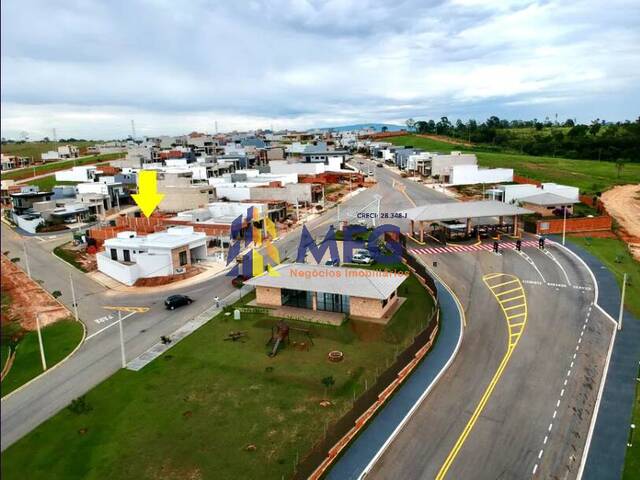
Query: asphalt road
(535, 421)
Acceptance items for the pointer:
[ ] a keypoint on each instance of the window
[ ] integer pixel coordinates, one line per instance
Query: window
(296, 298)
(384, 302)
(114, 254)
(183, 258)
(126, 255)
(333, 302)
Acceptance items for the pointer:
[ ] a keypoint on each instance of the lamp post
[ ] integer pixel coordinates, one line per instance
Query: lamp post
(42, 358)
(621, 313)
(564, 223)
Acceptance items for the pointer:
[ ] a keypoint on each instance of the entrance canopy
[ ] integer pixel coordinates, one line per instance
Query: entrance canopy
(463, 210)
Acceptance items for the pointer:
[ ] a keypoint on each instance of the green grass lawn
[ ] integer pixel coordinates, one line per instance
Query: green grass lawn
(632, 459)
(59, 340)
(68, 256)
(35, 149)
(615, 255)
(47, 183)
(589, 176)
(193, 412)
(60, 165)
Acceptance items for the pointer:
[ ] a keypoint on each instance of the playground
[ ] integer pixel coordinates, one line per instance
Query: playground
(223, 403)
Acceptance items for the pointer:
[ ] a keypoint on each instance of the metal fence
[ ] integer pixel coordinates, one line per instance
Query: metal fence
(336, 431)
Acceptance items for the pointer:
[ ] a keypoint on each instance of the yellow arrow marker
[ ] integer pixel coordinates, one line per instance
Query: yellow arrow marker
(147, 197)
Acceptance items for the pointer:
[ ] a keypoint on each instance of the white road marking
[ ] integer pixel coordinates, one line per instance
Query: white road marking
(558, 403)
(550, 426)
(555, 414)
(546, 437)
(562, 392)
(108, 326)
(540, 454)
(535, 468)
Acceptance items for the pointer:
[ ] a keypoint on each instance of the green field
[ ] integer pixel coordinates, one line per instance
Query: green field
(59, 340)
(632, 459)
(23, 173)
(193, 412)
(589, 176)
(35, 149)
(47, 183)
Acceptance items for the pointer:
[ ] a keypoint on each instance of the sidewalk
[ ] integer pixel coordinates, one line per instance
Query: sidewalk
(605, 460)
(366, 447)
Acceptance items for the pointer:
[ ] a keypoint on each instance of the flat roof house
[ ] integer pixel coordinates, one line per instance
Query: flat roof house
(129, 257)
(364, 294)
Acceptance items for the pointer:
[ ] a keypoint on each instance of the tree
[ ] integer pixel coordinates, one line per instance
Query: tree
(410, 124)
(384, 129)
(620, 163)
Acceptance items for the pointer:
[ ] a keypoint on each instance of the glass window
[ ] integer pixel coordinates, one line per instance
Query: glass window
(183, 258)
(333, 302)
(296, 298)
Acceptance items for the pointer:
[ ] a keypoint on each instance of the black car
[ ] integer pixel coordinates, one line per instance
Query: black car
(175, 301)
(380, 165)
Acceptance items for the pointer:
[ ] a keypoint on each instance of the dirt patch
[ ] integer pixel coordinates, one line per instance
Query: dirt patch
(440, 138)
(623, 204)
(27, 299)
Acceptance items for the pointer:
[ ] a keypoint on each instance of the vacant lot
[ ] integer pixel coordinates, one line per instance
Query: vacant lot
(25, 173)
(589, 176)
(35, 149)
(211, 408)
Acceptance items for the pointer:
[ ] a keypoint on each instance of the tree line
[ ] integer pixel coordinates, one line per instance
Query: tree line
(598, 140)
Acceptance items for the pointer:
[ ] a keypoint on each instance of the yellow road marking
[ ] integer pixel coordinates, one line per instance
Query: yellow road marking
(500, 284)
(507, 291)
(516, 315)
(512, 343)
(512, 308)
(511, 299)
(492, 275)
(129, 309)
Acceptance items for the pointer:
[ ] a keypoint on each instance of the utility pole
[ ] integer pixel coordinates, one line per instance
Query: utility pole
(44, 361)
(297, 210)
(624, 286)
(564, 223)
(73, 297)
(26, 259)
(122, 354)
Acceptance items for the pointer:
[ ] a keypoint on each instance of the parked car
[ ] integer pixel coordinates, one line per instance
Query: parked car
(362, 259)
(238, 281)
(175, 301)
(332, 263)
(380, 165)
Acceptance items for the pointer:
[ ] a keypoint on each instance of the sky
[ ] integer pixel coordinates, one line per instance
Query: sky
(87, 68)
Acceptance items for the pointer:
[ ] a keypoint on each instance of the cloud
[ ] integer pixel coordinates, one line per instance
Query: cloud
(88, 67)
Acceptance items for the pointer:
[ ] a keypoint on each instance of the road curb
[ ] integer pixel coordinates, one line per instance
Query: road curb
(34, 379)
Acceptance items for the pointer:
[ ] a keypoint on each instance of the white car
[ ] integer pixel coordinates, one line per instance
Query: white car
(362, 259)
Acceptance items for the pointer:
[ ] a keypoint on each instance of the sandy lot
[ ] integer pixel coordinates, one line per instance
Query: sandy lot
(623, 203)
(28, 298)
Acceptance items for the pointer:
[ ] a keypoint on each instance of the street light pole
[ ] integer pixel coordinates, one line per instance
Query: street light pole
(26, 258)
(624, 286)
(44, 361)
(73, 297)
(122, 354)
(564, 223)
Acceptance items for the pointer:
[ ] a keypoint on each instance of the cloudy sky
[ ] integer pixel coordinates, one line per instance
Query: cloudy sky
(87, 68)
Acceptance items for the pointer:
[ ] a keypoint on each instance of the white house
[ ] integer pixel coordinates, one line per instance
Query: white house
(77, 174)
(471, 175)
(513, 193)
(129, 257)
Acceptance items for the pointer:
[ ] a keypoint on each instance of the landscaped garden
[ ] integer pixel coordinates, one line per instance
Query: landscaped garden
(214, 407)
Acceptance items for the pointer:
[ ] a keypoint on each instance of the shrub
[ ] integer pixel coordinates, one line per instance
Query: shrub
(79, 406)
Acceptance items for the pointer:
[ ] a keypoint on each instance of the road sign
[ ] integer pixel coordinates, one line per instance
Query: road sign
(129, 309)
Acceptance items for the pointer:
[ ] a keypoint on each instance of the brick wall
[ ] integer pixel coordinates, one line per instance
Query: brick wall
(365, 307)
(586, 224)
(268, 296)
(521, 179)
